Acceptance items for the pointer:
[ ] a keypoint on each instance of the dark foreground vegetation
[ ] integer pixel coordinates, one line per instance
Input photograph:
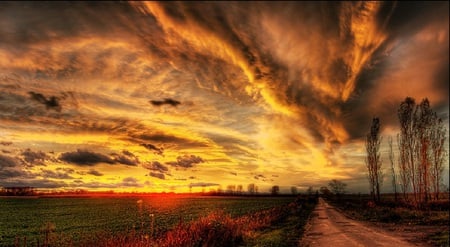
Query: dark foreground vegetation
(429, 224)
(278, 226)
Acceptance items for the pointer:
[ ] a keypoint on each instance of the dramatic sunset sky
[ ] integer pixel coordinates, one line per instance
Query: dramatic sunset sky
(147, 96)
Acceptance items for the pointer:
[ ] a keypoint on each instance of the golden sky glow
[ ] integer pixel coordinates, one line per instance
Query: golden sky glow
(168, 96)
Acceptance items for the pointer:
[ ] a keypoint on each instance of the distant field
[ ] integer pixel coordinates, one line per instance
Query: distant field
(80, 218)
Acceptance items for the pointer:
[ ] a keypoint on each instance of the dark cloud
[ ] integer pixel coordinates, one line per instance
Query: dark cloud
(165, 102)
(157, 175)
(11, 173)
(6, 161)
(130, 182)
(36, 183)
(153, 148)
(95, 173)
(126, 158)
(35, 158)
(51, 103)
(186, 161)
(203, 184)
(66, 170)
(156, 166)
(180, 142)
(85, 158)
(11, 167)
(56, 175)
(408, 17)
(88, 158)
(94, 185)
(5, 143)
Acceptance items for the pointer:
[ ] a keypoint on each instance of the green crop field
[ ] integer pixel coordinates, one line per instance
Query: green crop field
(81, 218)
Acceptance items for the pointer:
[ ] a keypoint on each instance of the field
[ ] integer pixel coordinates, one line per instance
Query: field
(39, 220)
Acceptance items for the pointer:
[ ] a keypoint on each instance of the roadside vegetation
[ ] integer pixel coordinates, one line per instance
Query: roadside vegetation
(429, 224)
(280, 225)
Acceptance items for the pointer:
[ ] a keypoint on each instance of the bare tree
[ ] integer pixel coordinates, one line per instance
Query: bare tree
(337, 187)
(394, 174)
(373, 161)
(404, 174)
(422, 153)
(407, 144)
(438, 154)
(423, 128)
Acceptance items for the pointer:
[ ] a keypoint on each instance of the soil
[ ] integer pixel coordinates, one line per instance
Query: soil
(330, 227)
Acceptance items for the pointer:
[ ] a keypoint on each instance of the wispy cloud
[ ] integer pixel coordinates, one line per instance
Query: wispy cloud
(251, 87)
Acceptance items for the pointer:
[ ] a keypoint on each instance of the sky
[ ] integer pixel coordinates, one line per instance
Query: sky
(191, 96)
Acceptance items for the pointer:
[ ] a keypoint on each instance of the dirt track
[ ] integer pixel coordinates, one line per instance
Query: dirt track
(328, 227)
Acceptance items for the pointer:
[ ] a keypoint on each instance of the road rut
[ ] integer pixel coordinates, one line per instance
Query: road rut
(329, 227)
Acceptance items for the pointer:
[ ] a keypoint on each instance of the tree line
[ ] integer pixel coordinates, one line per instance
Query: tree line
(418, 169)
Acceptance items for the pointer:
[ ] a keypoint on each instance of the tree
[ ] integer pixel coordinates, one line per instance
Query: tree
(373, 161)
(423, 125)
(251, 189)
(394, 174)
(438, 154)
(421, 146)
(294, 190)
(275, 190)
(407, 145)
(325, 191)
(337, 187)
(231, 189)
(310, 190)
(239, 189)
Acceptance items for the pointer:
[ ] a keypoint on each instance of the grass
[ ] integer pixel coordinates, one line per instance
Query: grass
(76, 219)
(287, 231)
(280, 225)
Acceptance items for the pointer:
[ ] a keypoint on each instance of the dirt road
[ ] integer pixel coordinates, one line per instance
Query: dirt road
(328, 227)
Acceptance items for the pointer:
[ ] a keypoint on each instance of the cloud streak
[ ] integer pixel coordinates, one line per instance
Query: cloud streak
(263, 88)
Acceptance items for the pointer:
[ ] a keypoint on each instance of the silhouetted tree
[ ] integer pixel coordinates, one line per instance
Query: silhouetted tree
(231, 189)
(251, 189)
(394, 174)
(310, 190)
(294, 190)
(373, 161)
(239, 189)
(325, 191)
(337, 187)
(275, 190)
